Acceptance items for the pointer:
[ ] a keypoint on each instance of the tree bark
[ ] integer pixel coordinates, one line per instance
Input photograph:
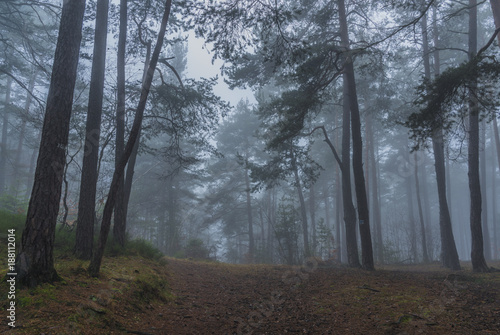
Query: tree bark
(95, 263)
(497, 147)
(88, 185)
(425, 255)
(303, 213)
(377, 217)
(119, 227)
(35, 262)
(312, 214)
(484, 197)
(251, 244)
(449, 254)
(129, 176)
(411, 215)
(477, 249)
(357, 146)
(494, 205)
(349, 210)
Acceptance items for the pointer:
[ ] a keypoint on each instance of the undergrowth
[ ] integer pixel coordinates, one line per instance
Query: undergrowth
(65, 240)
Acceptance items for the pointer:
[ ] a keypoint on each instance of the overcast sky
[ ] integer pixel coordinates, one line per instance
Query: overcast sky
(200, 65)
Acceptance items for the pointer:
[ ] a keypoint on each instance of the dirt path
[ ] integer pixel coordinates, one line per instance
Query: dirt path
(137, 296)
(228, 299)
(224, 299)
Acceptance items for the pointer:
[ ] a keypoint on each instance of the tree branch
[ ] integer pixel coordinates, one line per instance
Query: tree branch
(330, 144)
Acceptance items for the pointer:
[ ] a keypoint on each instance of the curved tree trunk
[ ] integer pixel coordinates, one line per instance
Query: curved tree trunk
(35, 262)
(95, 263)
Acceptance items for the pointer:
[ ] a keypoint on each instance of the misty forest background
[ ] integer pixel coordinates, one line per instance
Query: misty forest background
(279, 175)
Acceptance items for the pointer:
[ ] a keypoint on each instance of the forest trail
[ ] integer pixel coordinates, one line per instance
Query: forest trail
(265, 299)
(171, 296)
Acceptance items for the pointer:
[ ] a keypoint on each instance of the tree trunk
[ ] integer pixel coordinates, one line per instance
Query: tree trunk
(449, 254)
(303, 213)
(349, 210)
(411, 217)
(497, 147)
(95, 263)
(29, 181)
(88, 184)
(377, 217)
(35, 262)
(494, 205)
(312, 214)
(477, 249)
(484, 197)
(251, 244)
(129, 176)
(119, 227)
(357, 146)
(5, 136)
(421, 215)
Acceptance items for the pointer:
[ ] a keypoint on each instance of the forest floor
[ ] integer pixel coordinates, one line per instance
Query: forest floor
(138, 296)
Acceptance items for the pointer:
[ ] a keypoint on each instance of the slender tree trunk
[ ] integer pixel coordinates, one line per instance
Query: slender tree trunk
(270, 224)
(338, 218)
(251, 244)
(303, 213)
(425, 255)
(377, 217)
(449, 254)
(326, 201)
(448, 181)
(5, 136)
(95, 263)
(357, 147)
(119, 227)
(494, 205)
(129, 176)
(35, 262)
(484, 197)
(411, 218)
(88, 185)
(497, 147)
(477, 249)
(312, 213)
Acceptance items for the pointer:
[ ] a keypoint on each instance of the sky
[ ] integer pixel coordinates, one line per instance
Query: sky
(199, 64)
